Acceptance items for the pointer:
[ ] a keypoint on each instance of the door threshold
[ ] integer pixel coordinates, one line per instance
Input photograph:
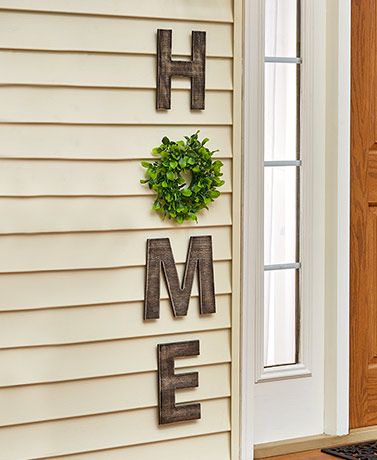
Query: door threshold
(272, 449)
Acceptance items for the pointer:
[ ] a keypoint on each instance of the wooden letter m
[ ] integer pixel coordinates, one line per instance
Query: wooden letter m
(199, 259)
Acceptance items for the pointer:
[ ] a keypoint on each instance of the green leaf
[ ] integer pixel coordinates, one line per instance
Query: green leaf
(182, 163)
(145, 164)
(170, 175)
(215, 194)
(187, 192)
(165, 140)
(173, 164)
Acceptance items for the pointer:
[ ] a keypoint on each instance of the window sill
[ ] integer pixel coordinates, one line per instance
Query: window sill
(291, 371)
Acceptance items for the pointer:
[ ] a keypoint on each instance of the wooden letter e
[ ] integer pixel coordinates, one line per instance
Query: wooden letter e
(169, 382)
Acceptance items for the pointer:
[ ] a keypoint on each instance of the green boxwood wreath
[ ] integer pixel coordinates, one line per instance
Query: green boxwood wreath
(168, 177)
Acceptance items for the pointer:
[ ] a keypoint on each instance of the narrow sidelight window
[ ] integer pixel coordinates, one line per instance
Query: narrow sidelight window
(282, 172)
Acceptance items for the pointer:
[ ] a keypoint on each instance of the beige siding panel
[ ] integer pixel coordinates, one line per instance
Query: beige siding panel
(78, 33)
(64, 178)
(100, 70)
(88, 214)
(20, 366)
(104, 322)
(87, 105)
(85, 287)
(105, 431)
(212, 447)
(35, 403)
(62, 251)
(77, 114)
(101, 142)
(210, 10)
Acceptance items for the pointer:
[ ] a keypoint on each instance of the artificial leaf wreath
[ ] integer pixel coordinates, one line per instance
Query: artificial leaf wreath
(185, 178)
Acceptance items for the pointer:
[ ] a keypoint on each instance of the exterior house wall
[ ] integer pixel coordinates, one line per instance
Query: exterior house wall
(77, 114)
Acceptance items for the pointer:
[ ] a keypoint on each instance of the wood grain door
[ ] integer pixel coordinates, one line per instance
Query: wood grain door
(363, 383)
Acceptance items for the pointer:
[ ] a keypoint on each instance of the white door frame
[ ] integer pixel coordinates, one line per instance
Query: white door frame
(336, 419)
(337, 314)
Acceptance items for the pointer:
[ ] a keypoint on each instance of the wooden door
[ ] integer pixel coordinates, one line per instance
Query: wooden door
(363, 383)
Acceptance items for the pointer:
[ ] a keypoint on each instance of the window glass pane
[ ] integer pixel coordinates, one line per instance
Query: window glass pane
(280, 317)
(281, 182)
(281, 123)
(280, 215)
(281, 28)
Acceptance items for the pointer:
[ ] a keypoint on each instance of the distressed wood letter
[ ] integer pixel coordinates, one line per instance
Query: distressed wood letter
(167, 68)
(199, 258)
(169, 382)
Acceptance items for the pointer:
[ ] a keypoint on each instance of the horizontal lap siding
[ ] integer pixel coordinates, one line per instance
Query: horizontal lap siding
(70, 251)
(112, 430)
(77, 114)
(100, 142)
(62, 178)
(210, 10)
(215, 446)
(49, 326)
(100, 70)
(117, 35)
(108, 106)
(21, 366)
(76, 398)
(51, 214)
(84, 287)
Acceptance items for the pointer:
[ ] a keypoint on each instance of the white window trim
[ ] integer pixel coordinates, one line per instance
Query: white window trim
(336, 404)
(252, 265)
(273, 396)
(310, 127)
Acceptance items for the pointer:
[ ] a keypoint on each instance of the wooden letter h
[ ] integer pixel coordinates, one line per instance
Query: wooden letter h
(167, 68)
